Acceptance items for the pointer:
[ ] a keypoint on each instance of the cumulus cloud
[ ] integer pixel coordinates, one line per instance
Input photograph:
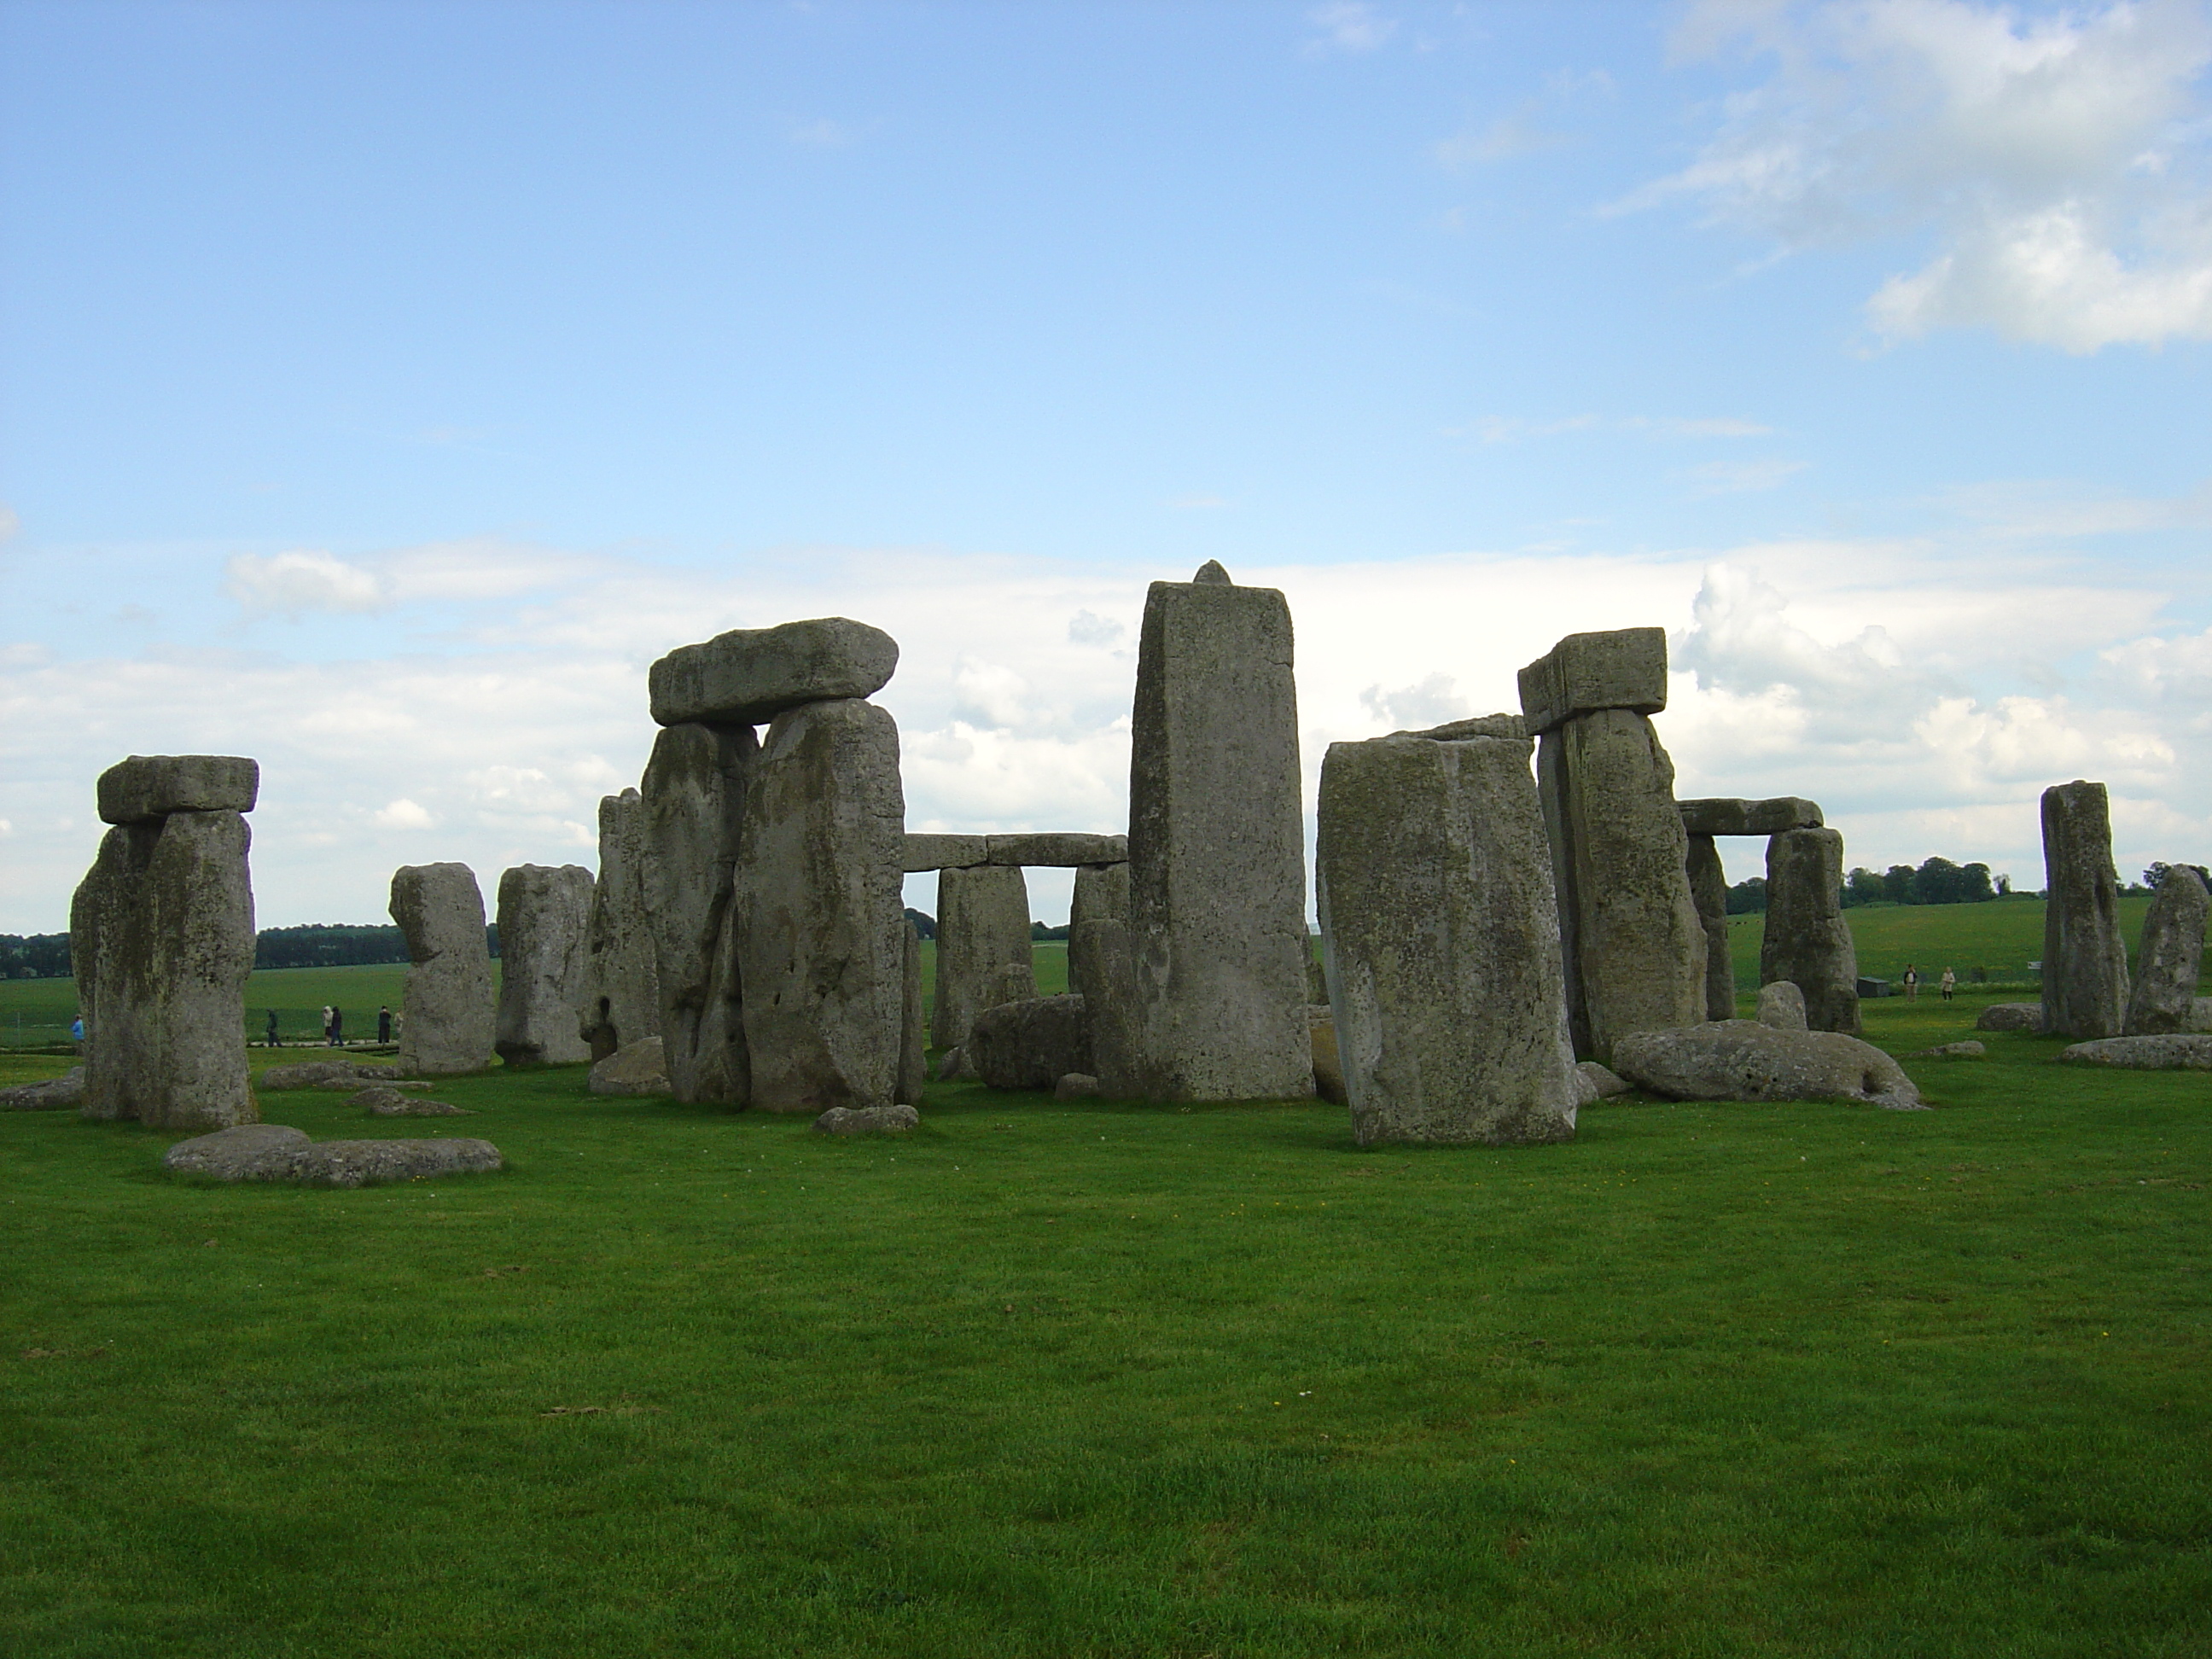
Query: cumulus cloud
(2059, 161)
(402, 814)
(291, 584)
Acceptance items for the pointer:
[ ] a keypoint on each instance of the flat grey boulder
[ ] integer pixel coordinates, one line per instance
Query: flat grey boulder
(1782, 1006)
(2011, 1017)
(636, 1068)
(1076, 1085)
(1598, 1082)
(382, 1101)
(2177, 1053)
(750, 675)
(314, 1074)
(271, 1152)
(380, 1076)
(866, 1120)
(1967, 1050)
(148, 786)
(1722, 816)
(54, 1094)
(1062, 849)
(1031, 1044)
(1742, 1060)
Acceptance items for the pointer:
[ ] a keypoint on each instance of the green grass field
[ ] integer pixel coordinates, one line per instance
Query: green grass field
(2002, 936)
(1107, 1379)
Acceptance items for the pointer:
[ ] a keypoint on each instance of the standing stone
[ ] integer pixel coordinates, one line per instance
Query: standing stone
(1782, 1006)
(447, 1018)
(984, 955)
(1807, 941)
(691, 801)
(2085, 963)
(162, 938)
(1441, 941)
(1633, 946)
(818, 924)
(1102, 894)
(1709, 892)
(914, 1025)
(1215, 942)
(544, 915)
(620, 1000)
(2171, 956)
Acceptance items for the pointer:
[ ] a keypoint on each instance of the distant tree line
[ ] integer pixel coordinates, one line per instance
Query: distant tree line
(47, 955)
(35, 956)
(1938, 881)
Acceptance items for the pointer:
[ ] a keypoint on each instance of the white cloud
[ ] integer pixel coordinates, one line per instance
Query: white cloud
(290, 584)
(10, 524)
(1411, 707)
(2053, 157)
(1349, 26)
(1735, 477)
(402, 814)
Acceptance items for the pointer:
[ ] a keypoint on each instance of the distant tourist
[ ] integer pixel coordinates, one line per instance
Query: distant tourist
(338, 1028)
(327, 1011)
(1948, 984)
(384, 1025)
(76, 1032)
(271, 1039)
(1912, 983)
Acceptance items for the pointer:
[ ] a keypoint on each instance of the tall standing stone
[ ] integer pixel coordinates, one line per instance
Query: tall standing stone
(2171, 956)
(619, 1001)
(984, 954)
(818, 929)
(1216, 936)
(1807, 941)
(545, 913)
(1102, 893)
(448, 1013)
(913, 1025)
(1442, 943)
(2085, 961)
(161, 940)
(691, 802)
(1709, 892)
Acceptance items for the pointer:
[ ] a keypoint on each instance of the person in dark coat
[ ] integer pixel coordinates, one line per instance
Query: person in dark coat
(384, 1025)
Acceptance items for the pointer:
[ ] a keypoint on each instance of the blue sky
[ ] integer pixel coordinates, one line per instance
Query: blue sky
(383, 387)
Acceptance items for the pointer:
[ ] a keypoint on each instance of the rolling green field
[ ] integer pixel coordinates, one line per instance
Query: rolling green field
(1101, 1379)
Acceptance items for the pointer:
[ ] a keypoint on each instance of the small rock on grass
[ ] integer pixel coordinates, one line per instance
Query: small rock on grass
(1966, 1050)
(2011, 1017)
(2143, 1054)
(354, 1080)
(1596, 1082)
(1076, 1085)
(384, 1100)
(866, 1120)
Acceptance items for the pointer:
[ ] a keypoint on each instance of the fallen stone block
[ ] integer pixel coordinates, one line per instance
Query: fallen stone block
(271, 1151)
(2010, 1017)
(1057, 849)
(1967, 1050)
(148, 786)
(311, 1074)
(382, 1101)
(1742, 1060)
(54, 1094)
(2176, 1053)
(1722, 816)
(1031, 1044)
(1076, 1085)
(750, 675)
(1602, 1082)
(636, 1068)
(350, 1081)
(866, 1120)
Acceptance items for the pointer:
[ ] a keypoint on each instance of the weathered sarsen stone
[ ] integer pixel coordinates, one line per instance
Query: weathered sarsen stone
(691, 804)
(1102, 894)
(984, 954)
(1709, 892)
(2171, 956)
(271, 1152)
(1216, 939)
(636, 1068)
(619, 1002)
(162, 941)
(1031, 1044)
(1782, 1005)
(750, 675)
(1442, 943)
(448, 1017)
(544, 913)
(1805, 940)
(2175, 1053)
(1724, 816)
(913, 1023)
(1623, 668)
(1743, 1060)
(2085, 963)
(923, 852)
(819, 930)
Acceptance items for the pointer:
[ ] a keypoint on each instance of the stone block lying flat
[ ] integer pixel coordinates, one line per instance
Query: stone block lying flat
(54, 1094)
(750, 675)
(1723, 815)
(1742, 1060)
(925, 852)
(1031, 1044)
(1482, 725)
(2143, 1054)
(1623, 668)
(148, 786)
(271, 1151)
(1063, 850)
(893, 1119)
(2010, 1017)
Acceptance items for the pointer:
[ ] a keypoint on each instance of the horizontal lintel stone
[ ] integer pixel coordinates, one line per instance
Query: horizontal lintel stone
(1722, 816)
(750, 675)
(1064, 849)
(147, 787)
(944, 852)
(1622, 668)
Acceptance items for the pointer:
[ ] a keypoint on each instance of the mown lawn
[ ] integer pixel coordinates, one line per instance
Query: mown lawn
(1104, 1380)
